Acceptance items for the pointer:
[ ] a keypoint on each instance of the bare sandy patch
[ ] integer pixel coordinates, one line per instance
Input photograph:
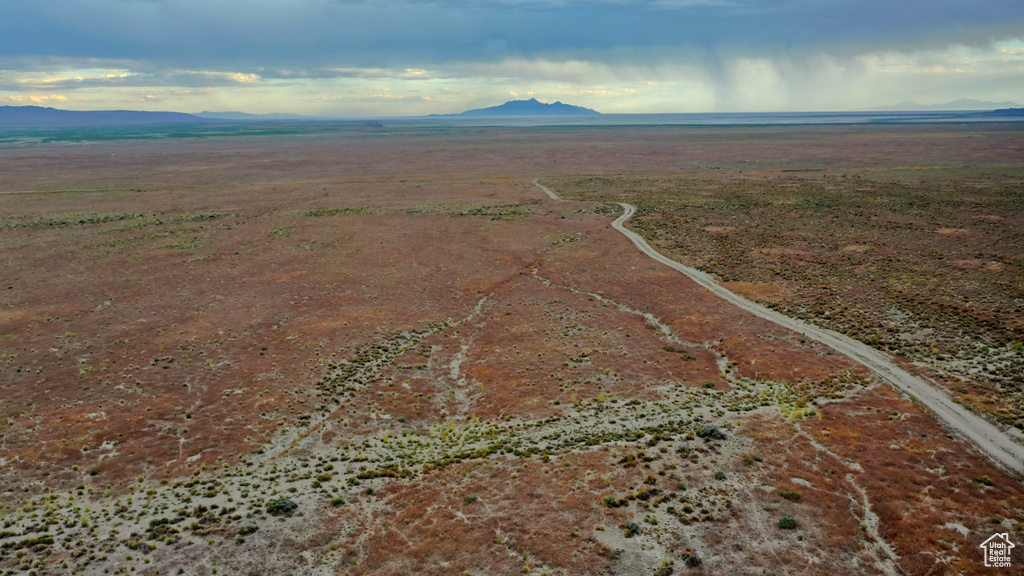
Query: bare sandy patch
(756, 290)
(11, 317)
(968, 263)
(976, 264)
(780, 251)
(857, 248)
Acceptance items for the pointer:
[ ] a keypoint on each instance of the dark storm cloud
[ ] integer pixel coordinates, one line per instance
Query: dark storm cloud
(314, 34)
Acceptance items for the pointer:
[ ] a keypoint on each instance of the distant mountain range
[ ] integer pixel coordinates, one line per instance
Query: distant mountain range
(248, 116)
(37, 116)
(961, 104)
(529, 107)
(40, 117)
(1005, 112)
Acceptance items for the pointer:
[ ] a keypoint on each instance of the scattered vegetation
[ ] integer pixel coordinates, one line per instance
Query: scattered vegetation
(495, 211)
(791, 495)
(318, 212)
(921, 264)
(281, 507)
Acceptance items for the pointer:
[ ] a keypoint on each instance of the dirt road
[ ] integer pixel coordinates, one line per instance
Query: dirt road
(994, 442)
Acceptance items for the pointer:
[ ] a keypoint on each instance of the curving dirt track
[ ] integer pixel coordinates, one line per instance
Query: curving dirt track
(995, 443)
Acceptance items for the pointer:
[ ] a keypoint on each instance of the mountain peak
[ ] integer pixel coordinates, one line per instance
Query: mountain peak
(961, 104)
(531, 107)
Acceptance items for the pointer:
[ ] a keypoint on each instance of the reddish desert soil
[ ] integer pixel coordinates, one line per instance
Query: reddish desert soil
(445, 371)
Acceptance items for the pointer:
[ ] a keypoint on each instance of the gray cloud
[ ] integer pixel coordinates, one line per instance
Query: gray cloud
(388, 33)
(33, 74)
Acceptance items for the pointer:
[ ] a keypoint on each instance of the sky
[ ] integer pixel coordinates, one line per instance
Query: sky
(381, 58)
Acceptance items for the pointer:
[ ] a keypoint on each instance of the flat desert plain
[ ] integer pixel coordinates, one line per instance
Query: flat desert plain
(386, 351)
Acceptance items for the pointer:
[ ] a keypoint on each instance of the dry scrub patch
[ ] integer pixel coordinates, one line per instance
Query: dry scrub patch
(909, 262)
(498, 516)
(921, 484)
(156, 343)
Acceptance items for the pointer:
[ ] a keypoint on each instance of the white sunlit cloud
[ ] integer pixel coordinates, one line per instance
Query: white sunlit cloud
(34, 80)
(34, 98)
(647, 82)
(208, 77)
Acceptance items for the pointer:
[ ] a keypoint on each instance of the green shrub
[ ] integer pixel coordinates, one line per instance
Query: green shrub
(791, 495)
(334, 211)
(787, 523)
(281, 506)
(710, 432)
